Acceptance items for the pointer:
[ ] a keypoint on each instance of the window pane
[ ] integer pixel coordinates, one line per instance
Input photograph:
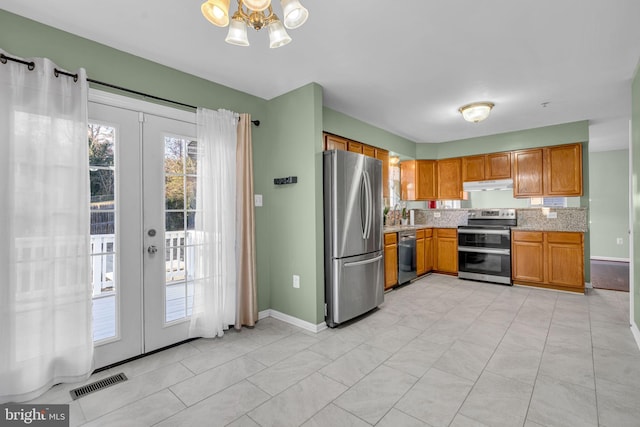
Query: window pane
(102, 178)
(174, 192)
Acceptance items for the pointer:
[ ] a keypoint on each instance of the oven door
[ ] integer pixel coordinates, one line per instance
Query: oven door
(481, 237)
(485, 264)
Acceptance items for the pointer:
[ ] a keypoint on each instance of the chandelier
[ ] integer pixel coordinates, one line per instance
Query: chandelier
(256, 14)
(476, 112)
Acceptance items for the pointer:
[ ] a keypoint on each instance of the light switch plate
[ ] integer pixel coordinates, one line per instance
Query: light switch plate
(257, 198)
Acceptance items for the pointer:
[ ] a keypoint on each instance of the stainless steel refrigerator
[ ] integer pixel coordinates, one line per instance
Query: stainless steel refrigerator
(354, 263)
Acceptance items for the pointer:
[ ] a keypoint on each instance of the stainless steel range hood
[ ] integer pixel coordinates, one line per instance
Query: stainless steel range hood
(498, 184)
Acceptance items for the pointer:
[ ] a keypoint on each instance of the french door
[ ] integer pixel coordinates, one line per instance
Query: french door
(143, 180)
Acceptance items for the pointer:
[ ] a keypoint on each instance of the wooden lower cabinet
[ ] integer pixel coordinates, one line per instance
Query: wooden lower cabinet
(548, 259)
(390, 260)
(428, 249)
(445, 242)
(420, 257)
(527, 256)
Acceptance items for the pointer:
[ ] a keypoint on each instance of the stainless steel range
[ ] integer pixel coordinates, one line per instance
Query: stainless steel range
(484, 245)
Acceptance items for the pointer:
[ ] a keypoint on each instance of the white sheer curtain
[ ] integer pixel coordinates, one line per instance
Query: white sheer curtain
(214, 300)
(45, 286)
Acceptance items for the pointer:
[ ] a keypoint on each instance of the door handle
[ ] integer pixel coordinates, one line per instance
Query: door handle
(152, 249)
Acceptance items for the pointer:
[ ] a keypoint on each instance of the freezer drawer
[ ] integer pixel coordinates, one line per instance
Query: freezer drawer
(355, 286)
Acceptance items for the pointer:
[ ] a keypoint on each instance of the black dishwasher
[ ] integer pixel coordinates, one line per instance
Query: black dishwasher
(406, 256)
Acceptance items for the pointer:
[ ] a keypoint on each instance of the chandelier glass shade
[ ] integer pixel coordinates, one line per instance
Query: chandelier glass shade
(476, 112)
(256, 14)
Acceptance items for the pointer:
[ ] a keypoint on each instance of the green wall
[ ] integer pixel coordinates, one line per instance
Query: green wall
(348, 127)
(548, 135)
(609, 206)
(635, 149)
(293, 241)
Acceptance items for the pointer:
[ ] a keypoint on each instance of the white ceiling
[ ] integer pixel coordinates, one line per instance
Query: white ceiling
(406, 70)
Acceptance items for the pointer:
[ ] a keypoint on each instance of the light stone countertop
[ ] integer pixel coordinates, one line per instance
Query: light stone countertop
(529, 219)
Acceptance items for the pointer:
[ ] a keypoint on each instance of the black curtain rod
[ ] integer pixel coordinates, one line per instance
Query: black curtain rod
(31, 65)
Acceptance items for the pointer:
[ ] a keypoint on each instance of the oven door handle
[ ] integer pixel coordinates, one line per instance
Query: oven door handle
(483, 231)
(484, 250)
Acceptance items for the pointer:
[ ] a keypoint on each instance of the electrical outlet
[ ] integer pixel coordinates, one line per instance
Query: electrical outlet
(296, 281)
(619, 241)
(552, 215)
(436, 214)
(257, 198)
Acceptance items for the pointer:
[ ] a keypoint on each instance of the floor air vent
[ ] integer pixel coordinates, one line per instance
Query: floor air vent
(77, 393)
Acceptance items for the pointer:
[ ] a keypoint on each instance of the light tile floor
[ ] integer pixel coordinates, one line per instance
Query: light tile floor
(438, 352)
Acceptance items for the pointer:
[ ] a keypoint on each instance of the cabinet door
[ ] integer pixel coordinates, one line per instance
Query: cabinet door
(428, 253)
(390, 260)
(449, 179)
(420, 270)
(446, 251)
(473, 168)
(426, 180)
(498, 166)
(354, 147)
(408, 180)
(563, 170)
(332, 142)
(368, 150)
(384, 156)
(527, 256)
(565, 258)
(527, 170)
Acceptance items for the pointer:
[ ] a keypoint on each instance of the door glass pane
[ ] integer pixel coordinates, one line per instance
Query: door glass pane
(102, 142)
(180, 167)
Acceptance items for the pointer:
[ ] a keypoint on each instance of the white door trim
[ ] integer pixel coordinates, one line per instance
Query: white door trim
(114, 100)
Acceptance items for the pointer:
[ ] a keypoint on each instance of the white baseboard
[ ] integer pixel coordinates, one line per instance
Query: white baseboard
(588, 285)
(636, 333)
(308, 326)
(609, 258)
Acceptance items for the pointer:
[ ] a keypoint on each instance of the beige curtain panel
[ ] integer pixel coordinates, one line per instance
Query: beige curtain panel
(247, 301)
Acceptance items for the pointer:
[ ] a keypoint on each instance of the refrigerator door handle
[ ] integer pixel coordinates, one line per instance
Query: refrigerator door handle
(363, 205)
(369, 215)
(367, 261)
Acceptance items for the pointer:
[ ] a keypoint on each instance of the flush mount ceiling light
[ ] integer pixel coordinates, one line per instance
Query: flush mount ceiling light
(476, 112)
(255, 14)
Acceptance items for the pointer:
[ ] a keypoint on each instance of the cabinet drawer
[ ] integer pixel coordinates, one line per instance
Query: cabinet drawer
(527, 236)
(428, 232)
(447, 232)
(564, 237)
(420, 234)
(390, 238)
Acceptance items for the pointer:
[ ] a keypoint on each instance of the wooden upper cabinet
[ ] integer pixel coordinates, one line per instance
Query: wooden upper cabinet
(449, 179)
(383, 155)
(408, 180)
(473, 168)
(528, 173)
(486, 167)
(368, 150)
(418, 180)
(498, 166)
(563, 170)
(426, 179)
(354, 147)
(548, 171)
(332, 142)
